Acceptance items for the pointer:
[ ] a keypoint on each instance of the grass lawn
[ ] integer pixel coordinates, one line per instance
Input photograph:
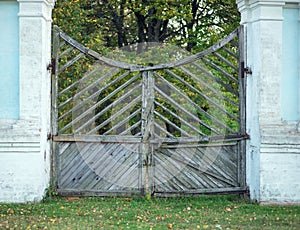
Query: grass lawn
(215, 212)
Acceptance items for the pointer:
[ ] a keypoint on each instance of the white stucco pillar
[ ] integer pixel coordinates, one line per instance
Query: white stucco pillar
(273, 151)
(24, 147)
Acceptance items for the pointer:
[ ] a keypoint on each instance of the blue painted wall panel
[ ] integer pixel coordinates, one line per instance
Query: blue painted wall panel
(9, 60)
(290, 76)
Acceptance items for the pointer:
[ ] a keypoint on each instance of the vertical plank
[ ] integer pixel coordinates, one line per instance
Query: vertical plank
(242, 105)
(55, 169)
(147, 127)
(54, 81)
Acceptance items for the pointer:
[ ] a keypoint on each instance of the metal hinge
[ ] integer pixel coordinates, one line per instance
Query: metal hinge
(245, 70)
(49, 136)
(51, 66)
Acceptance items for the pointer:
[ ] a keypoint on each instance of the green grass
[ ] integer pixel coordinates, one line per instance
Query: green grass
(217, 212)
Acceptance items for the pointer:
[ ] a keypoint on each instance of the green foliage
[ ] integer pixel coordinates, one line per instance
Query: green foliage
(193, 24)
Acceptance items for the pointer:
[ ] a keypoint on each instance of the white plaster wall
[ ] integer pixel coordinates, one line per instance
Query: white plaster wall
(24, 148)
(280, 173)
(273, 159)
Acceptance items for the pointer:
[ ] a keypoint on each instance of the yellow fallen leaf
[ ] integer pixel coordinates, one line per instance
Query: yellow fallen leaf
(228, 209)
(170, 226)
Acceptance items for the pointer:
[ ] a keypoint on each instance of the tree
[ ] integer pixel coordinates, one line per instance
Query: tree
(192, 24)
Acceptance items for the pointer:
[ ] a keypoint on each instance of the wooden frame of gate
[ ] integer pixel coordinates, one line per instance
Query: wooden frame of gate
(164, 129)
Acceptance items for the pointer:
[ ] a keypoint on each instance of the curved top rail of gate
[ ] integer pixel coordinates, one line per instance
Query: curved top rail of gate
(134, 67)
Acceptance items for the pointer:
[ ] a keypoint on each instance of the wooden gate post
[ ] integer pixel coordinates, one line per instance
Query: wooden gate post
(147, 128)
(24, 137)
(272, 53)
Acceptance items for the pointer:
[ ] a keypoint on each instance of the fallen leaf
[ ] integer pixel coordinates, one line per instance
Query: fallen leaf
(10, 211)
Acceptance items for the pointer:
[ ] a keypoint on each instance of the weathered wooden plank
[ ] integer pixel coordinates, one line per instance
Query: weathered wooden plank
(92, 97)
(93, 177)
(103, 193)
(189, 145)
(229, 190)
(123, 122)
(81, 171)
(66, 51)
(206, 180)
(242, 109)
(97, 139)
(208, 99)
(215, 160)
(210, 87)
(54, 81)
(172, 124)
(196, 167)
(84, 90)
(167, 168)
(120, 112)
(208, 140)
(137, 124)
(158, 137)
(180, 118)
(181, 108)
(83, 79)
(209, 116)
(229, 63)
(109, 107)
(216, 79)
(231, 52)
(220, 70)
(147, 128)
(71, 62)
(201, 140)
(93, 107)
(99, 82)
(182, 175)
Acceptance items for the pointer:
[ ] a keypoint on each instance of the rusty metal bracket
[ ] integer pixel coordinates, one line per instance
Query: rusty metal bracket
(245, 70)
(51, 66)
(49, 136)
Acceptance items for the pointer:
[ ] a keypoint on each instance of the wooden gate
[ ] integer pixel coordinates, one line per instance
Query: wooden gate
(160, 129)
